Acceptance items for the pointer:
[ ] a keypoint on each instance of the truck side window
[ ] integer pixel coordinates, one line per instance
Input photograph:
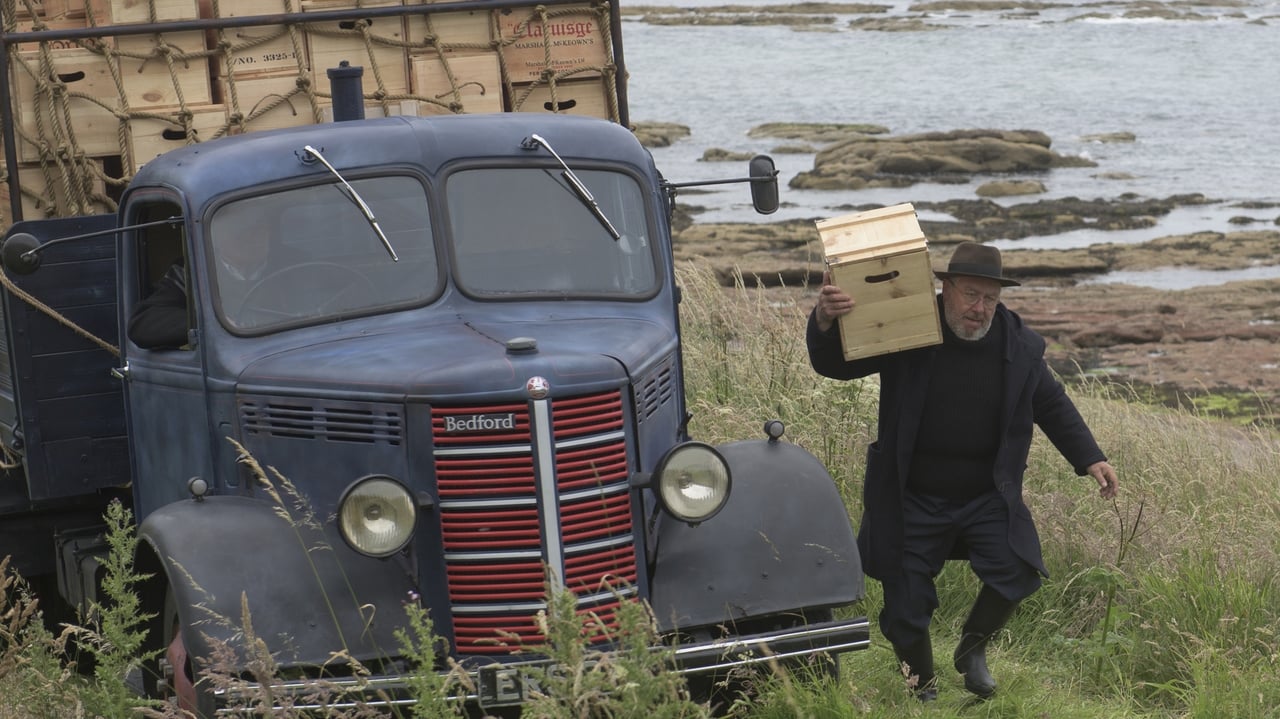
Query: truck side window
(162, 319)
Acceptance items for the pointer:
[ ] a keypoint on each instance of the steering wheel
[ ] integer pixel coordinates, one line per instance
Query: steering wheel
(327, 283)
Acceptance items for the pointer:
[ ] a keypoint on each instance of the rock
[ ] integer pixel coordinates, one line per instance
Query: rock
(1008, 188)
(894, 24)
(1110, 137)
(823, 133)
(983, 219)
(794, 150)
(659, 134)
(716, 154)
(859, 162)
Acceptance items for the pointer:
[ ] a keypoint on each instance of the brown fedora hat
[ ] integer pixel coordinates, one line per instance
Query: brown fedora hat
(976, 260)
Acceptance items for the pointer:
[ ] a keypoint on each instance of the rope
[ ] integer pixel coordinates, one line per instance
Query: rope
(49, 134)
(64, 165)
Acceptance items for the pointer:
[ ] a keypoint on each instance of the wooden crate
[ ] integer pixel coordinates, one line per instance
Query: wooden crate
(254, 92)
(575, 39)
(20, 9)
(249, 51)
(95, 127)
(329, 43)
(127, 11)
(53, 201)
(148, 83)
(151, 137)
(462, 31)
(572, 97)
(478, 77)
(881, 259)
(50, 24)
(99, 9)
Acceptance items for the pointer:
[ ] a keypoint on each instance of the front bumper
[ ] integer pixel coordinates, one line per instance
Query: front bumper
(500, 685)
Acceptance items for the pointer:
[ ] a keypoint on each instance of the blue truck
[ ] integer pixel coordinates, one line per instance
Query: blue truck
(456, 361)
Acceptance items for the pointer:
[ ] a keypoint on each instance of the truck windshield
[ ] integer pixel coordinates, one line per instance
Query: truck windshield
(309, 254)
(524, 231)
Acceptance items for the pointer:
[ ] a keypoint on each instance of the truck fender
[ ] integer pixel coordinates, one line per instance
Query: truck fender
(308, 594)
(782, 542)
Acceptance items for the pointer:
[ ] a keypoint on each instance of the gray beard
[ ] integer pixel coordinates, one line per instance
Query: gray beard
(958, 329)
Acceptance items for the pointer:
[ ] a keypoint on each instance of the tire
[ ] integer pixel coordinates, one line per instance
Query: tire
(172, 676)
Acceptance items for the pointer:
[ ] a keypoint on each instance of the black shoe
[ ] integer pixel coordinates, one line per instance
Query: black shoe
(989, 614)
(971, 661)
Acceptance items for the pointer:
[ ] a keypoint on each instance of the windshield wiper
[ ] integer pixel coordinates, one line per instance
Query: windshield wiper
(356, 198)
(579, 189)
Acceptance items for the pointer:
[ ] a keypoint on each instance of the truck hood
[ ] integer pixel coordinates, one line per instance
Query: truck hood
(465, 358)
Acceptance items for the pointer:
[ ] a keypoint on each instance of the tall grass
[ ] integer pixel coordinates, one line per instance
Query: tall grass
(1162, 603)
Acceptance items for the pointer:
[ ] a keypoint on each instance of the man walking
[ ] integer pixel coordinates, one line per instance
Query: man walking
(944, 476)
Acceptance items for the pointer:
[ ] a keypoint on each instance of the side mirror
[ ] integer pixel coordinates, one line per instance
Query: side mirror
(21, 251)
(17, 253)
(764, 184)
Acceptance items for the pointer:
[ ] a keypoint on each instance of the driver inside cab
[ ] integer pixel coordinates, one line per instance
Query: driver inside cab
(161, 320)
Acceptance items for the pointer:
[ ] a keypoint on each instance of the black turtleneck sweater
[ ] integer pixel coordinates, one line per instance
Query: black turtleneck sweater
(960, 430)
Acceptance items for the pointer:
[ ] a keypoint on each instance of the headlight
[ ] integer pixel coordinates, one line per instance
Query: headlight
(377, 516)
(693, 482)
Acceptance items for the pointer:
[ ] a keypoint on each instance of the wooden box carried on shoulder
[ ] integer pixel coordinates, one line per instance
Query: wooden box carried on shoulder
(881, 259)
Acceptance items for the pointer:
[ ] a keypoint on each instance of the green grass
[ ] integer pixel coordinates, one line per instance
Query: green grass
(1162, 603)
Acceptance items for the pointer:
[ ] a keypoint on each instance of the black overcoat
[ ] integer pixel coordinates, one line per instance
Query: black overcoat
(1032, 396)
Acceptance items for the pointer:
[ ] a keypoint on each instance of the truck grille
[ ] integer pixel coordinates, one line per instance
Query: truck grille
(557, 464)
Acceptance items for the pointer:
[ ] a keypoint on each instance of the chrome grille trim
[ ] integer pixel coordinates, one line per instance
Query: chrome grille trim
(594, 492)
(584, 547)
(550, 513)
(487, 503)
(589, 441)
(514, 449)
(491, 556)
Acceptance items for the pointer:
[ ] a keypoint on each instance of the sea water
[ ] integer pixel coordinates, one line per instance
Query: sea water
(1199, 96)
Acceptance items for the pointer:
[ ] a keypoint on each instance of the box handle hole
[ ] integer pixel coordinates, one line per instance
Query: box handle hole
(563, 105)
(886, 277)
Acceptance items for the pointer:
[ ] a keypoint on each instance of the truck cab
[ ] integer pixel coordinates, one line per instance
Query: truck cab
(431, 360)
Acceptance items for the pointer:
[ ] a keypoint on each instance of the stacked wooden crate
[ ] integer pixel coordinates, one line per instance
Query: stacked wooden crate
(555, 60)
(103, 108)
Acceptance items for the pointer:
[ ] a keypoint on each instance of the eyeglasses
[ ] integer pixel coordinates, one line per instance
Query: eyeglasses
(971, 297)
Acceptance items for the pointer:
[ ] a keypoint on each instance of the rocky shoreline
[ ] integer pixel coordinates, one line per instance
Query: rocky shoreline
(1215, 347)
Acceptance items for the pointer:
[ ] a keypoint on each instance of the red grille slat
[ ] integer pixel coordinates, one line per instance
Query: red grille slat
(473, 476)
(576, 416)
(606, 518)
(593, 480)
(532, 594)
(597, 582)
(506, 569)
(498, 541)
(592, 467)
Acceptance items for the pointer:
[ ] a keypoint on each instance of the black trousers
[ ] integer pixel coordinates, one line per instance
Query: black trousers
(935, 528)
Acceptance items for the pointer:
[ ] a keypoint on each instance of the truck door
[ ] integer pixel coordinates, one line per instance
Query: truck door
(163, 357)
